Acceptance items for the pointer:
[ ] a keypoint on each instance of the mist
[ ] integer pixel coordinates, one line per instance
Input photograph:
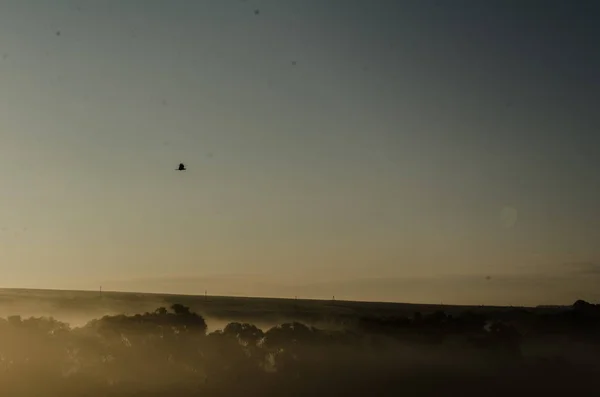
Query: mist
(65, 343)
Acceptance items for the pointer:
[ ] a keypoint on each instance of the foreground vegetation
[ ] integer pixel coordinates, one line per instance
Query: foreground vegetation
(169, 352)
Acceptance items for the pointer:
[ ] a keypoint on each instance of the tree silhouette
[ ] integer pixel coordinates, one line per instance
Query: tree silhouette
(179, 309)
(248, 334)
(161, 311)
(169, 352)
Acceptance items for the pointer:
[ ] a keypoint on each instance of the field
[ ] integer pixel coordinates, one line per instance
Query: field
(68, 343)
(79, 307)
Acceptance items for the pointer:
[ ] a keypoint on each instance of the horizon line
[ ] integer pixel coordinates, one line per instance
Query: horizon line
(157, 293)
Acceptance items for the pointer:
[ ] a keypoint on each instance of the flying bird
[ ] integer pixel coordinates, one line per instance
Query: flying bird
(181, 167)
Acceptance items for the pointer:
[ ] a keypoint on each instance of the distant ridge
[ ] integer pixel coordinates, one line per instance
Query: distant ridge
(203, 296)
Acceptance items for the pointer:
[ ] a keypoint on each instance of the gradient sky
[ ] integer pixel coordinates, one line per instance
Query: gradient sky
(412, 150)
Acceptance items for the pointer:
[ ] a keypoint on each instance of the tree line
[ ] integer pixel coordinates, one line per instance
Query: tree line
(169, 350)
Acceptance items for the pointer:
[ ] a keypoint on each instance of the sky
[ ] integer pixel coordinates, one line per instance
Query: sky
(413, 151)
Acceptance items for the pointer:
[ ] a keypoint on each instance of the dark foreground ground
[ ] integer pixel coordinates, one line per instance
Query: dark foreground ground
(64, 343)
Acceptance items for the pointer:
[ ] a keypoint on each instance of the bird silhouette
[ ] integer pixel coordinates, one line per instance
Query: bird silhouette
(181, 167)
